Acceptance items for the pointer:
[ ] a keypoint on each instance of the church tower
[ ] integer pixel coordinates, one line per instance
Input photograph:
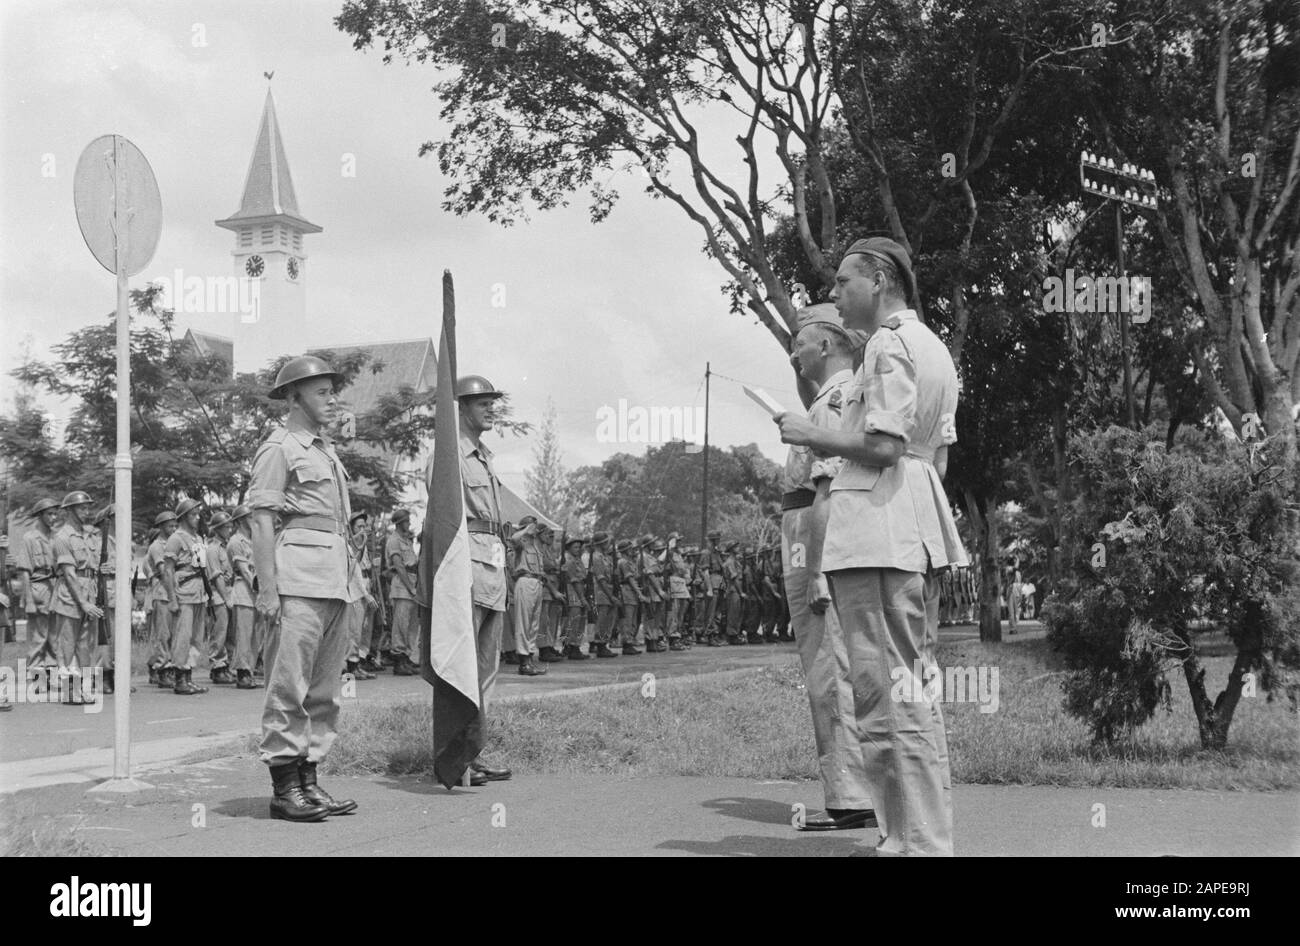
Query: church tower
(269, 231)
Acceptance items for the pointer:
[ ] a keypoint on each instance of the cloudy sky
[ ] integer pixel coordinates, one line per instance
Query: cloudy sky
(626, 309)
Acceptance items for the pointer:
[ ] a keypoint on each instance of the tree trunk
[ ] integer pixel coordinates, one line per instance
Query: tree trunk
(1213, 719)
(990, 575)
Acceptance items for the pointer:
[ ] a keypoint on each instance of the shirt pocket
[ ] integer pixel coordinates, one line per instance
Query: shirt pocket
(304, 553)
(310, 469)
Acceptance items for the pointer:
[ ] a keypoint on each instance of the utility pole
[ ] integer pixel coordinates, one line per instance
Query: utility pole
(704, 510)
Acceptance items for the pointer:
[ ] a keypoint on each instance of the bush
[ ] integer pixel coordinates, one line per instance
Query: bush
(1162, 548)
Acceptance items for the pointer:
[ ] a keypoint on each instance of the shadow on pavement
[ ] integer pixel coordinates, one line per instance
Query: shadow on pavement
(257, 808)
(762, 810)
(748, 845)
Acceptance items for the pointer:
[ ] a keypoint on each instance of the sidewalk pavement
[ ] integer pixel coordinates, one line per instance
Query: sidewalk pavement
(220, 808)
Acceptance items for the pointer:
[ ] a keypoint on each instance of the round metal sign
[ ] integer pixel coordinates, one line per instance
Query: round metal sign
(115, 193)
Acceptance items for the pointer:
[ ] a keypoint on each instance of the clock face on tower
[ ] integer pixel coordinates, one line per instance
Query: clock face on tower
(293, 268)
(254, 266)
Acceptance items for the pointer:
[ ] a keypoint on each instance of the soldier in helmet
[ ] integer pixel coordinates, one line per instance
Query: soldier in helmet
(75, 611)
(679, 593)
(161, 671)
(552, 625)
(304, 587)
(652, 608)
(487, 551)
(601, 569)
(714, 589)
(220, 575)
(630, 595)
(401, 560)
(575, 618)
(184, 563)
(107, 543)
(34, 560)
(239, 548)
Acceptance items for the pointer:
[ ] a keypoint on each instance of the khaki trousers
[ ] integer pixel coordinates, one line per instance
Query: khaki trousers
(246, 646)
(218, 652)
(74, 641)
(406, 633)
(825, 660)
(40, 649)
(160, 635)
(303, 658)
(605, 617)
(890, 620)
(185, 653)
(530, 602)
(488, 625)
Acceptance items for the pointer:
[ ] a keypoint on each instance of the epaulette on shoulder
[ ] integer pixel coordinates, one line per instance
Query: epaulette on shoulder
(893, 322)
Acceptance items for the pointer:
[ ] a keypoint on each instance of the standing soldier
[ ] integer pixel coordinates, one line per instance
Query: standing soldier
(305, 589)
(34, 561)
(733, 577)
(678, 572)
(482, 497)
(751, 612)
(575, 617)
(769, 595)
(714, 590)
(106, 553)
(187, 598)
(822, 356)
(161, 671)
(75, 611)
(889, 531)
(605, 591)
(508, 654)
(630, 596)
(220, 575)
(530, 594)
(553, 606)
(400, 560)
(652, 607)
(363, 605)
(239, 548)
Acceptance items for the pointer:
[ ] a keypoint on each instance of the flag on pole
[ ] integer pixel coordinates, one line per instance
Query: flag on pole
(448, 654)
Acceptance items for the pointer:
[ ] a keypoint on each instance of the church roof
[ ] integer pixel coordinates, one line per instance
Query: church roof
(411, 362)
(268, 188)
(205, 344)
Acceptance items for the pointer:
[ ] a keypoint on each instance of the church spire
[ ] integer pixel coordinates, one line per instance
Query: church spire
(268, 187)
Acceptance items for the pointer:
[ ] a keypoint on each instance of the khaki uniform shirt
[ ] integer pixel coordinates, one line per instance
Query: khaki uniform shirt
(650, 567)
(575, 577)
(679, 572)
(897, 517)
(78, 548)
(151, 568)
(219, 565)
(803, 468)
(186, 552)
(297, 473)
(240, 549)
(626, 571)
(404, 547)
(360, 575)
(108, 566)
(35, 555)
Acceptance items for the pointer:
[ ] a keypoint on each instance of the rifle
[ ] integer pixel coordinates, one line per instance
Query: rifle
(101, 590)
(376, 582)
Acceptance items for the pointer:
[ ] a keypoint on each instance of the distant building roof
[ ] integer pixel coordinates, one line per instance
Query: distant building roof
(268, 188)
(413, 362)
(205, 344)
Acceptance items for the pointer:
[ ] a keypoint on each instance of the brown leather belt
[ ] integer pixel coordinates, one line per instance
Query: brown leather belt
(797, 499)
(314, 523)
(486, 526)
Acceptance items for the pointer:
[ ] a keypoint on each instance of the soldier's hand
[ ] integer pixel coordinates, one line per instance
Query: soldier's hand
(174, 606)
(268, 605)
(819, 593)
(93, 611)
(795, 430)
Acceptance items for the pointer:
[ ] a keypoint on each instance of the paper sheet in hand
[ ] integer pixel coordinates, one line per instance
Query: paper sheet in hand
(764, 400)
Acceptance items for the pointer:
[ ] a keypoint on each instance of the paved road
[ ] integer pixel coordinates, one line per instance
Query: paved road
(219, 808)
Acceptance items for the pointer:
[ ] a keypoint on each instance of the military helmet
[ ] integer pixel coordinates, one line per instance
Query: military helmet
(475, 385)
(359, 514)
(527, 521)
(165, 516)
(219, 519)
(106, 513)
(186, 507)
(75, 498)
(715, 534)
(574, 540)
(239, 512)
(731, 546)
(401, 515)
(600, 538)
(624, 545)
(42, 505)
(300, 369)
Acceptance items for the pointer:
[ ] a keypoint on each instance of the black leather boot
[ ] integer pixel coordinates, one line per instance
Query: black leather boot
(153, 675)
(317, 795)
(108, 683)
(290, 802)
(185, 686)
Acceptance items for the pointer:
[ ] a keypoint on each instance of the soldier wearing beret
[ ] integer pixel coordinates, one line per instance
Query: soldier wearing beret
(889, 531)
(161, 671)
(305, 588)
(530, 594)
(401, 561)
